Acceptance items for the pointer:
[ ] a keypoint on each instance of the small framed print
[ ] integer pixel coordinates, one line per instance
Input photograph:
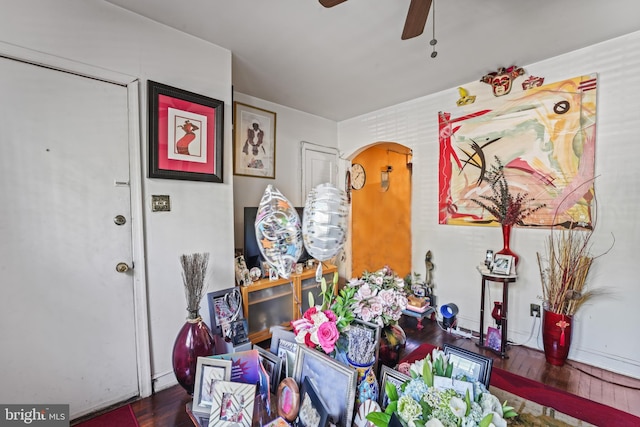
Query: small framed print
(254, 141)
(272, 364)
(494, 338)
(334, 381)
(389, 375)
(239, 331)
(472, 366)
(288, 398)
(225, 307)
(185, 134)
(208, 371)
(284, 345)
(232, 404)
(313, 412)
(502, 264)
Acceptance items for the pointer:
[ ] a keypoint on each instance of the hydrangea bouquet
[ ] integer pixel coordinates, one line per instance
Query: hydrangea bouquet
(418, 403)
(380, 296)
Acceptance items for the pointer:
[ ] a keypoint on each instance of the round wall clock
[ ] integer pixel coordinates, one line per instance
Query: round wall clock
(358, 176)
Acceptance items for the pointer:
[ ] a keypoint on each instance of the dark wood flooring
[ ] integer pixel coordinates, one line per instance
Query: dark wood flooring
(166, 408)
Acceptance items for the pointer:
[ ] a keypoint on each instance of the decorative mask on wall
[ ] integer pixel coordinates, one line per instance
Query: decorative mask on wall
(531, 82)
(501, 81)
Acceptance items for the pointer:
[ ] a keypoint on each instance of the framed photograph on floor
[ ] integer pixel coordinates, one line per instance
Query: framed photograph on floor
(232, 404)
(494, 338)
(472, 366)
(389, 375)
(208, 371)
(272, 364)
(254, 141)
(313, 412)
(284, 345)
(185, 134)
(335, 382)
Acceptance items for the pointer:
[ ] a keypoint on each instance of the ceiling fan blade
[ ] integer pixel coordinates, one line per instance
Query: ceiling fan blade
(331, 3)
(416, 18)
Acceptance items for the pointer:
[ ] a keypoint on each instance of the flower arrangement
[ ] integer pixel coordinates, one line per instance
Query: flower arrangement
(419, 403)
(322, 325)
(380, 297)
(506, 208)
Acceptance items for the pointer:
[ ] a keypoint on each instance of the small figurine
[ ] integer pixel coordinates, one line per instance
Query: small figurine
(429, 276)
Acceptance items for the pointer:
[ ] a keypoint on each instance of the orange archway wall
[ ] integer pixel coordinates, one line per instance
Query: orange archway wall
(381, 220)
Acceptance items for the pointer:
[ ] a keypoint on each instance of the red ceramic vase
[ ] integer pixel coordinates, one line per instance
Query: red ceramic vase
(193, 340)
(556, 336)
(506, 250)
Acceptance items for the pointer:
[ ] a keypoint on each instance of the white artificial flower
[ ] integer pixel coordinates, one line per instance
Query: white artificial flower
(497, 421)
(434, 422)
(417, 367)
(458, 406)
(490, 403)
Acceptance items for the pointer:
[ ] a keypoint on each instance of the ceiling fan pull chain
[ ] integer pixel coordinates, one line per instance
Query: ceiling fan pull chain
(433, 41)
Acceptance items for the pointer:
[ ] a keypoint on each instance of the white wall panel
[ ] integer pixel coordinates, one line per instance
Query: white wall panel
(604, 333)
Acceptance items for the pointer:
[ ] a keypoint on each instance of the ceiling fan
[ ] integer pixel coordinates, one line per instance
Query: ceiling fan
(416, 17)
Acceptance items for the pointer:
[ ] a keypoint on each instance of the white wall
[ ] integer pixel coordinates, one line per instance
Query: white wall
(102, 35)
(292, 127)
(604, 333)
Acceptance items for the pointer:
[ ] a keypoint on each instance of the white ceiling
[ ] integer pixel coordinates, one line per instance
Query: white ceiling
(349, 60)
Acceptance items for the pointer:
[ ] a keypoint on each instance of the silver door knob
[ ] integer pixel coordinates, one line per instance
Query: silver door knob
(122, 267)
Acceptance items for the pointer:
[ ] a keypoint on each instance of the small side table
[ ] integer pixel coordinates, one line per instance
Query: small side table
(429, 312)
(487, 276)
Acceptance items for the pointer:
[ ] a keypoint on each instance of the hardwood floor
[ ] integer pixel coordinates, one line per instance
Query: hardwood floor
(167, 407)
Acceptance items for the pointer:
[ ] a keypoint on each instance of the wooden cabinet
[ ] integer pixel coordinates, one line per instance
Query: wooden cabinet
(268, 303)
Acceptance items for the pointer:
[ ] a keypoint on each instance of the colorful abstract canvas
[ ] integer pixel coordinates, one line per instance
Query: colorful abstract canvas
(545, 138)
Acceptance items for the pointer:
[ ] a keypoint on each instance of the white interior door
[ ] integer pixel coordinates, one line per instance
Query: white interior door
(66, 316)
(319, 166)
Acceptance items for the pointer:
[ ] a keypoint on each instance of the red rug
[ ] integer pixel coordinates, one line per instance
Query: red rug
(575, 406)
(121, 417)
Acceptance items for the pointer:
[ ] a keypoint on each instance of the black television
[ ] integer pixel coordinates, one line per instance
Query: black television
(252, 255)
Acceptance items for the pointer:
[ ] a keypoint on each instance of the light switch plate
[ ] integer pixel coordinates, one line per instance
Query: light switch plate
(160, 203)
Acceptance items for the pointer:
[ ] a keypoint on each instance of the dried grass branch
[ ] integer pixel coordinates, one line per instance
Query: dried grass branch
(565, 269)
(194, 271)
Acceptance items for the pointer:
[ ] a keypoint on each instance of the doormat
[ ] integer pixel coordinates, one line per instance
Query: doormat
(550, 397)
(121, 417)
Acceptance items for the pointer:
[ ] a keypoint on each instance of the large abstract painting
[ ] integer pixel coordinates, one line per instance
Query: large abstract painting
(545, 138)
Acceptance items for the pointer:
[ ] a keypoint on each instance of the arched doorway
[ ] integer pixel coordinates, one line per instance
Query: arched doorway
(381, 210)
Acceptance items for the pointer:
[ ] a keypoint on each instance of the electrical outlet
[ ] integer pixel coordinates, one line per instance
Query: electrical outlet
(534, 310)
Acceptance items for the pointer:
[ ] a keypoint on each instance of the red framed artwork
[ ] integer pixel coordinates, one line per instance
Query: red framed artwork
(185, 134)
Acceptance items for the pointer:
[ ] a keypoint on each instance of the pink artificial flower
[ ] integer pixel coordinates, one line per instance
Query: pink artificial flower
(376, 308)
(331, 315)
(387, 296)
(364, 292)
(309, 313)
(365, 313)
(327, 336)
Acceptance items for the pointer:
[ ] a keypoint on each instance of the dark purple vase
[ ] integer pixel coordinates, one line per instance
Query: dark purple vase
(193, 341)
